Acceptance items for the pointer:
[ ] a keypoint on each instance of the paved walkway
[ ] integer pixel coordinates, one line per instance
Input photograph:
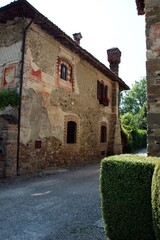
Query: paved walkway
(141, 152)
(56, 205)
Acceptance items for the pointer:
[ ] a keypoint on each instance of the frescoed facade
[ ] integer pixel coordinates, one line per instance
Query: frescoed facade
(68, 112)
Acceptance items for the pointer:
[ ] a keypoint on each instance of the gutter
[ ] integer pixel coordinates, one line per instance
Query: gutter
(20, 93)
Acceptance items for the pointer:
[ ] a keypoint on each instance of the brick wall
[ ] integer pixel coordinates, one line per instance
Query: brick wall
(8, 148)
(153, 75)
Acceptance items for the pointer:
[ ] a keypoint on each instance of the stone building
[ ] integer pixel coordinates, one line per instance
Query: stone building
(68, 112)
(151, 9)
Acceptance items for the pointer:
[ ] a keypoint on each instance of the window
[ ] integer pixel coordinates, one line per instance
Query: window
(1, 143)
(63, 72)
(38, 144)
(103, 134)
(102, 93)
(71, 132)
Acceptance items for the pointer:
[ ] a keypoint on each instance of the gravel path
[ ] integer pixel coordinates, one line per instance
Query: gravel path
(55, 205)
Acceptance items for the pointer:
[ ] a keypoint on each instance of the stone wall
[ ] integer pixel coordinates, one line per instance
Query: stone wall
(49, 102)
(152, 9)
(11, 36)
(8, 146)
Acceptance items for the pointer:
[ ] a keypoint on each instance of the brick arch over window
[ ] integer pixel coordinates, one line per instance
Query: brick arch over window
(65, 74)
(71, 129)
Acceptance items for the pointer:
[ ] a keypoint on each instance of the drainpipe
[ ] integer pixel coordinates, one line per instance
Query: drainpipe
(20, 92)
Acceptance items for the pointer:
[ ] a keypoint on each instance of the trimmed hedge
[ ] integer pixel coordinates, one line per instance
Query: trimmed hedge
(126, 197)
(156, 200)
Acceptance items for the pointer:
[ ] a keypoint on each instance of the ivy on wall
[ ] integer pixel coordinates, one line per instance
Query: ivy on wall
(9, 97)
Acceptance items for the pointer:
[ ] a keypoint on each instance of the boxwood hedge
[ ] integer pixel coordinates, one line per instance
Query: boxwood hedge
(156, 200)
(126, 197)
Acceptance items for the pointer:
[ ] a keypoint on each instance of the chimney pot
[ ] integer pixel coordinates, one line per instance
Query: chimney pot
(114, 58)
(77, 37)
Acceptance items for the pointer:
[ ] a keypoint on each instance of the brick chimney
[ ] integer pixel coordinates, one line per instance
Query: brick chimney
(140, 7)
(114, 58)
(77, 37)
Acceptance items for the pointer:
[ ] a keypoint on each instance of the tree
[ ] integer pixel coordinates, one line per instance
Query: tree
(133, 100)
(9, 97)
(133, 116)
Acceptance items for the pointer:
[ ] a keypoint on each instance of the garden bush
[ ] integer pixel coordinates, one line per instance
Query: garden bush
(9, 97)
(126, 197)
(156, 200)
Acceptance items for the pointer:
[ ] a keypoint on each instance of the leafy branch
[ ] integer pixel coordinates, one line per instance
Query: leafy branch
(9, 97)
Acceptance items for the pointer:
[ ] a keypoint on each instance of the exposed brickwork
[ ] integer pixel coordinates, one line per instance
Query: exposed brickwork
(114, 58)
(8, 147)
(152, 9)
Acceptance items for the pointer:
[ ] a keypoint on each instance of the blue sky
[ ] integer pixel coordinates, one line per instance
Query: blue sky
(103, 24)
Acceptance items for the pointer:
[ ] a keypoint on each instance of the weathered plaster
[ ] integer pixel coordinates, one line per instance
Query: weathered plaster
(47, 104)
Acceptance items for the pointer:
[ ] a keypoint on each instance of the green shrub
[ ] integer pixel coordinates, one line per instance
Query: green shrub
(126, 197)
(139, 137)
(156, 200)
(9, 97)
(133, 139)
(126, 140)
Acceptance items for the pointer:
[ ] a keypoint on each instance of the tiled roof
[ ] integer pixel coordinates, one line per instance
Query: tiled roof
(22, 8)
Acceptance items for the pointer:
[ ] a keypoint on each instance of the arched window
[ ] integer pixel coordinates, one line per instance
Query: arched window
(103, 134)
(71, 132)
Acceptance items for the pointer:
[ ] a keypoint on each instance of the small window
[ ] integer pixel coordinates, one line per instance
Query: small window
(63, 72)
(103, 134)
(71, 132)
(102, 93)
(38, 144)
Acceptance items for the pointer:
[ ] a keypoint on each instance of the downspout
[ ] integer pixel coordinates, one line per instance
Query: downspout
(20, 92)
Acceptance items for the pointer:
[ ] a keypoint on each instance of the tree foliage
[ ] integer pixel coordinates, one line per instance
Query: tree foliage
(9, 97)
(133, 115)
(133, 100)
